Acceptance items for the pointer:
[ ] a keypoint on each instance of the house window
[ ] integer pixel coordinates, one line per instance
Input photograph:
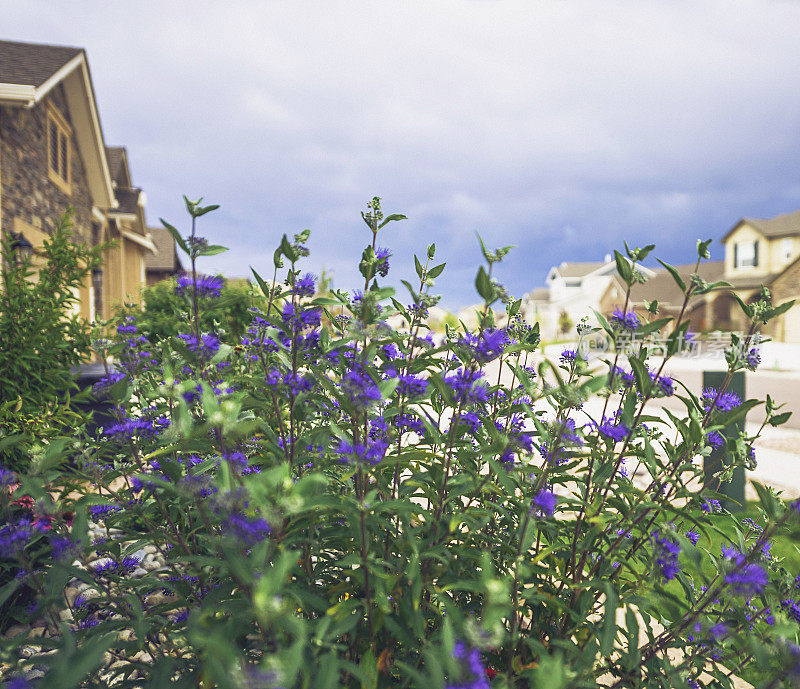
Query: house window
(787, 246)
(745, 254)
(58, 149)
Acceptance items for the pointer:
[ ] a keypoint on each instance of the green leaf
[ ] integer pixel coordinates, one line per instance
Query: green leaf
(748, 309)
(288, 250)
(263, 286)
(623, 267)
(643, 382)
(779, 419)
(418, 267)
(205, 209)
(431, 251)
(436, 271)
(608, 632)
(702, 248)
(212, 250)
(675, 275)
(72, 664)
(392, 218)
(176, 236)
(484, 285)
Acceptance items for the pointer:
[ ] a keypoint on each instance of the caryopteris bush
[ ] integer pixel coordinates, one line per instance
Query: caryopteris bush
(334, 501)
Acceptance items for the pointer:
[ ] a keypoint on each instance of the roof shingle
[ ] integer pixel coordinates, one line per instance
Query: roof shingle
(167, 257)
(779, 226)
(32, 64)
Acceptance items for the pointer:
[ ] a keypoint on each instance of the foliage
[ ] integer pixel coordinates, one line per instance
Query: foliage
(42, 335)
(162, 310)
(330, 502)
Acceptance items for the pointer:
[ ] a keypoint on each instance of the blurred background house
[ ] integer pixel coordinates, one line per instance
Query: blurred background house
(166, 262)
(53, 156)
(756, 251)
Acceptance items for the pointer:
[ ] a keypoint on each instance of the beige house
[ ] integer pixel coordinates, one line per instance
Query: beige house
(53, 155)
(166, 262)
(756, 251)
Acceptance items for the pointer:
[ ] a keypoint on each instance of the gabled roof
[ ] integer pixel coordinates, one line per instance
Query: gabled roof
(167, 258)
(29, 71)
(118, 168)
(32, 64)
(661, 285)
(583, 269)
(578, 270)
(779, 226)
(128, 199)
(539, 294)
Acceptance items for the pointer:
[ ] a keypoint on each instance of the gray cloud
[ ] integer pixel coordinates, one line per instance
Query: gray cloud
(561, 127)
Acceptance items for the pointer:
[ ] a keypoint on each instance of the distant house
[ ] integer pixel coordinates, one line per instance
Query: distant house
(757, 251)
(166, 262)
(573, 290)
(53, 155)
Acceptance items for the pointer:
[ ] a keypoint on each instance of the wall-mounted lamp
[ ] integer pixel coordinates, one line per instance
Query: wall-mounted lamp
(21, 247)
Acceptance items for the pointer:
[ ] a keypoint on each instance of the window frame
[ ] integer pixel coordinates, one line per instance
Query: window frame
(750, 261)
(60, 175)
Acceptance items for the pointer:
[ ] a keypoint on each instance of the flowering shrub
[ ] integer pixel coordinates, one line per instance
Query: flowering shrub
(331, 500)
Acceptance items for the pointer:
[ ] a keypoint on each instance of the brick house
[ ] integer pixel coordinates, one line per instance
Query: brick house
(166, 263)
(53, 155)
(756, 251)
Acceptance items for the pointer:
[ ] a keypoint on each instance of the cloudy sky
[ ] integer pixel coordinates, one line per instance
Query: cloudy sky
(562, 127)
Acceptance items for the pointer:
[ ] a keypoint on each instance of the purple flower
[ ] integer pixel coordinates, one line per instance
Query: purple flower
(624, 320)
(390, 351)
(206, 346)
(726, 402)
(297, 383)
(207, 285)
(486, 346)
(19, 683)
(792, 609)
(412, 423)
(471, 420)
(14, 536)
(613, 429)
(626, 377)
(711, 506)
(128, 326)
(418, 310)
(305, 286)
(382, 255)
(715, 439)
(747, 580)
(663, 384)
(752, 359)
(412, 386)
(568, 356)
(115, 566)
(464, 387)
(666, 551)
(360, 390)
(130, 428)
(107, 381)
(693, 536)
(718, 631)
(371, 452)
(7, 477)
(248, 530)
(545, 502)
(473, 674)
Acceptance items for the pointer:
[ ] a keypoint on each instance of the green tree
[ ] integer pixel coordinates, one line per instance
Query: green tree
(164, 311)
(564, 323)
(42, 334)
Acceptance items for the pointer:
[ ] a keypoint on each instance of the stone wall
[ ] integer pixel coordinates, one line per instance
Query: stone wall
(27, 192)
